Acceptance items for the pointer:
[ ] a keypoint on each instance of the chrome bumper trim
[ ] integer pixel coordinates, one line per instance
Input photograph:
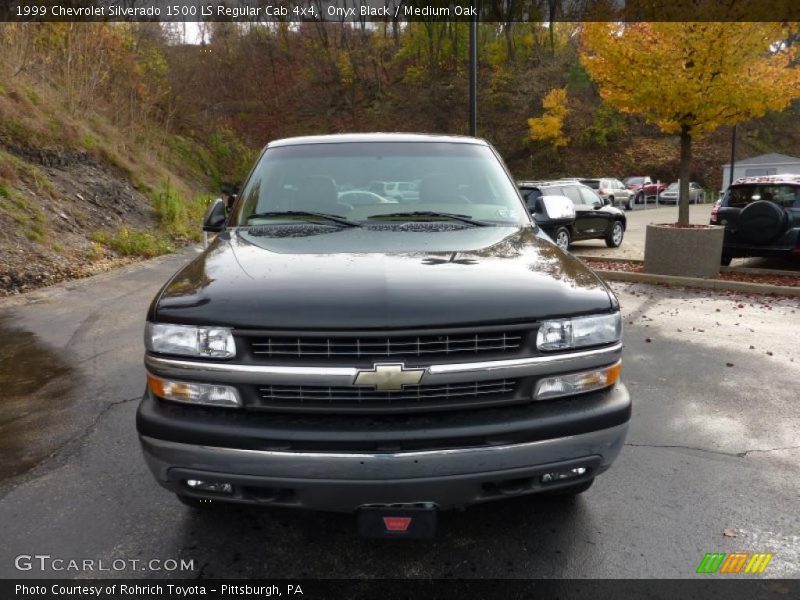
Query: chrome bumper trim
(345, 376)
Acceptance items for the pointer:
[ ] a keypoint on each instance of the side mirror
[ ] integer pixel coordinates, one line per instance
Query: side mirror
(215, 217)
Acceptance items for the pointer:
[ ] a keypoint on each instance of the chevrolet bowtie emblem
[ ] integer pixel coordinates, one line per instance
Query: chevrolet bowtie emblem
(389, 377)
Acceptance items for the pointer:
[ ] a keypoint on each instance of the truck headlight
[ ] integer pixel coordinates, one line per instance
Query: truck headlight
(186, 340)
(579, 332)
(577, 383)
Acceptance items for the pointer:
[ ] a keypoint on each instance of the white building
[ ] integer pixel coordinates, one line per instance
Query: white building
(765, 164)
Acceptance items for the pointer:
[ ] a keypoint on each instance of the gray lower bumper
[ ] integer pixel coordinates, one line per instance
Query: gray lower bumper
(343, 482)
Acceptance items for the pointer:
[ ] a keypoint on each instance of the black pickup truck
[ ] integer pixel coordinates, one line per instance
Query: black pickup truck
(388, 359)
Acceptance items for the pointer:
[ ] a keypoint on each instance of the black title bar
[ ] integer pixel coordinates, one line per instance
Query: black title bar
(499, 11)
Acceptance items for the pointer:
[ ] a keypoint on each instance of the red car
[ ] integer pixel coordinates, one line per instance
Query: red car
(644, 187)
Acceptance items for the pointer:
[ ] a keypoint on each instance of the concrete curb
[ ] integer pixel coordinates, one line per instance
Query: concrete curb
(695, 282)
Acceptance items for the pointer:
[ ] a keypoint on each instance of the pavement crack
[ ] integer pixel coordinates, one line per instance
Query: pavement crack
(746, 452)
(720, 452)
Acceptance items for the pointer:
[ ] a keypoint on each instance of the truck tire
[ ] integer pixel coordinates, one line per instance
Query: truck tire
(562, 238)
(615, 235)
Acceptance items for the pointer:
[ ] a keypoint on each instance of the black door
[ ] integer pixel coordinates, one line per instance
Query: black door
(596, 222)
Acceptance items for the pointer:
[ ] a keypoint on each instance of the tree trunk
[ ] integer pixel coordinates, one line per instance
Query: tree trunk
(684, 174)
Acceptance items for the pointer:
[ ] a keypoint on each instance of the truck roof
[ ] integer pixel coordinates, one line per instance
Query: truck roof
(342, 138)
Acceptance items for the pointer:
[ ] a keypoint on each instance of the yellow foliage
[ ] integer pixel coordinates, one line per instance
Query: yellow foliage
(691, 76)
(550, 126)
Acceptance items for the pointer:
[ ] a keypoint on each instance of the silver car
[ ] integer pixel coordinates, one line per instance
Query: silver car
(670, 195)
(612, 190)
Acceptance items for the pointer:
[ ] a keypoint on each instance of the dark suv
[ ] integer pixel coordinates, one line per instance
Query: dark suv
(761, 216)
(595, 219)
(384, 359)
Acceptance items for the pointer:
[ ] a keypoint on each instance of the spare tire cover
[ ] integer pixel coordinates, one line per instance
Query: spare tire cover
(762, 222)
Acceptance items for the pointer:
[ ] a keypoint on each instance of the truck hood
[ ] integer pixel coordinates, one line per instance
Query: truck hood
(360, 278)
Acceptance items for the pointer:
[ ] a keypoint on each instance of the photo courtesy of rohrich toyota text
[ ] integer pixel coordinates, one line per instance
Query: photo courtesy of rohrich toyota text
(399, 299)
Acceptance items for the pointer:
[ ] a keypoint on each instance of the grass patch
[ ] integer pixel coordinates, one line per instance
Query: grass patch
(134, 242)
(31, 220)
(13, 167)
(177, 216)
(35, 234)
(89, 142)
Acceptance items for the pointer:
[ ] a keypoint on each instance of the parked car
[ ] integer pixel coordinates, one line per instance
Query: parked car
(556, 216)
(388, 360)
(644, 188)
(761, 216)
(612, 190)
(670, 195)
(402, 191)
(359, 197)
(594, 217)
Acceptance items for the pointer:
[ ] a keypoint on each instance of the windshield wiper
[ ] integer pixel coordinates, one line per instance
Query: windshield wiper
(302, 213)
(433, 216)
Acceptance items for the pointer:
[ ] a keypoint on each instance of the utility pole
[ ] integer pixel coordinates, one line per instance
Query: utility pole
(733, 156)
(473, 75)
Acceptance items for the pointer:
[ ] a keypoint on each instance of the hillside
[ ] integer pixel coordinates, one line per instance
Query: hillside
(81, 188)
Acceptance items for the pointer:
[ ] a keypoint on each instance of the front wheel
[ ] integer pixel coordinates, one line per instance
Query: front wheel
(639, 199)
(614, 237)
(562, 238)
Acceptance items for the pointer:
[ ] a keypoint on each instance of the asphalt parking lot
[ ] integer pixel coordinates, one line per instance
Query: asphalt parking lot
(633, 245)
(711, 463)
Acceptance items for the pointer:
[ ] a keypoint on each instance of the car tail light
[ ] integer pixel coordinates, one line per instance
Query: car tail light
(715, 212)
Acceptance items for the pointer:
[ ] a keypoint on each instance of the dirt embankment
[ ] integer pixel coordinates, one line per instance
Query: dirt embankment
(55, 203)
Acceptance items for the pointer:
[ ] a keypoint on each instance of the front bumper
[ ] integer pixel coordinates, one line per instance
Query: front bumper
(344, 482)
(448, 477)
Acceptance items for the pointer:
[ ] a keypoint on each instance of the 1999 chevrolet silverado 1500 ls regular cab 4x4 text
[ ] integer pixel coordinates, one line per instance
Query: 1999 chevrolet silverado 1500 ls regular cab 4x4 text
(387, 359)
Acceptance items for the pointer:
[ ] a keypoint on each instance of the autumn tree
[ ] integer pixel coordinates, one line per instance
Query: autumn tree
(691, 78)
(549, 127)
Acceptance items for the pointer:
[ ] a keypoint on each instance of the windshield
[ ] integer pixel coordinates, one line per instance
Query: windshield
(592, 183)
(634, 181)
(361, 180)
(672, 187)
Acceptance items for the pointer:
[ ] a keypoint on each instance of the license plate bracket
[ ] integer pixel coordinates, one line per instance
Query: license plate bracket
(417, 521)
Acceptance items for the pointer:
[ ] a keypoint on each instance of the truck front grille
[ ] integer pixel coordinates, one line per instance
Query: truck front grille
(357, 399)
(374, 347)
